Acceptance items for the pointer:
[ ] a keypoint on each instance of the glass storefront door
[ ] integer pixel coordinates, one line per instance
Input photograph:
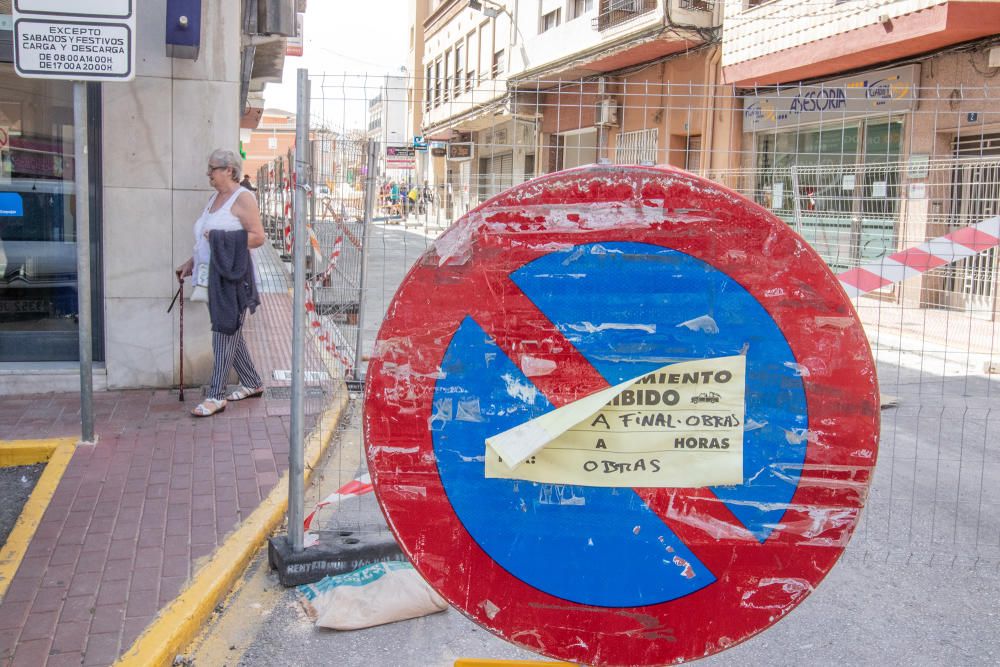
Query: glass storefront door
(838, 185)
(38, 279)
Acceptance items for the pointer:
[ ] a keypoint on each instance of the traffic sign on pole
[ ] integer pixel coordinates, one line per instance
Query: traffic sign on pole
(603, 279)
(81, 40)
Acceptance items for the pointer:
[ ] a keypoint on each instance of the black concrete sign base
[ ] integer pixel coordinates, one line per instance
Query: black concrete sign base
(337, 552)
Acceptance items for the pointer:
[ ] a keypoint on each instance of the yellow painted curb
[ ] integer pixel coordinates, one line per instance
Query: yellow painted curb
(180, 621)
(28, 452)
(487, 662)
(59, 452)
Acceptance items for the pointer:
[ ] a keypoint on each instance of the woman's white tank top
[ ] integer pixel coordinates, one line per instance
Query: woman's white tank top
(223, 219)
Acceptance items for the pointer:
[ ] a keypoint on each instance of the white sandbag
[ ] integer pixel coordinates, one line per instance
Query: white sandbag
(372, 595)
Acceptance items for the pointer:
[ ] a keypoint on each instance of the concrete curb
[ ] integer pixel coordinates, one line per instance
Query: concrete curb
(179, 622)
(29, 452)
(56, 453)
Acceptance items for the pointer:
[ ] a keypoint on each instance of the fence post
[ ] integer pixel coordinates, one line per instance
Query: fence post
(296, 445)
(371, 184)
(84, 318)
(796, 203)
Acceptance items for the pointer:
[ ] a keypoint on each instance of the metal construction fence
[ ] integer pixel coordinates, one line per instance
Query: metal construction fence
(860, 182)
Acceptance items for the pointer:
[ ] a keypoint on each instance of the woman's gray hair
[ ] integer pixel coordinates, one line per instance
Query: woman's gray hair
(221, 157)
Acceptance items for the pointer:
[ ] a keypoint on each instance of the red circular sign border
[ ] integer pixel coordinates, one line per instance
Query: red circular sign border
(801, 295)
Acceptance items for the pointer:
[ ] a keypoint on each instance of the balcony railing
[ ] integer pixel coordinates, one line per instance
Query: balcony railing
(616, 12)
(697, 5)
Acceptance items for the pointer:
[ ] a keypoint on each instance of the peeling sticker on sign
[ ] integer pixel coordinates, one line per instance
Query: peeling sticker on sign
(679, 426)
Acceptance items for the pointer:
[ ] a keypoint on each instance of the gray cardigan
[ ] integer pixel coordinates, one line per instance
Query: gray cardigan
(231, 286)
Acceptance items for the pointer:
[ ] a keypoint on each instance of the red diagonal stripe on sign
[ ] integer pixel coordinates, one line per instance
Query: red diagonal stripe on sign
(572, 376)
(972, 238)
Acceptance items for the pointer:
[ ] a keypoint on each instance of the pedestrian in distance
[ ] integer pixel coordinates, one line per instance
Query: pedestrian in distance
(224, 234)
(395, 203)
(413, 196)
(247, 183)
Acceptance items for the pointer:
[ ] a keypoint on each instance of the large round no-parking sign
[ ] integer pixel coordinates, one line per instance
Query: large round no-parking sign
(690, 511)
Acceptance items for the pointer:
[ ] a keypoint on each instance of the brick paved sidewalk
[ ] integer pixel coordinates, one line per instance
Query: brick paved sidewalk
(135, 515)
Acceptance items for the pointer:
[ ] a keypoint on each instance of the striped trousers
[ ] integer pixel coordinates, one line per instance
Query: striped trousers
(231, 352)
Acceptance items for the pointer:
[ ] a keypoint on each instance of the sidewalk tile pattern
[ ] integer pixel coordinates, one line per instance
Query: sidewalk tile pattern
(134, 516)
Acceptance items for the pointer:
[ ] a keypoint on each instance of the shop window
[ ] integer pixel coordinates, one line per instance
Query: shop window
(38, 225)
(839, 186)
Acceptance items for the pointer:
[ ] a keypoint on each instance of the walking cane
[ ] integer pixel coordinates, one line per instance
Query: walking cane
(181, 392)
(179, 293)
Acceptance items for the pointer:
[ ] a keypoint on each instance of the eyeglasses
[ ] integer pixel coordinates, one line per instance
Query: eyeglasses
(211, 169)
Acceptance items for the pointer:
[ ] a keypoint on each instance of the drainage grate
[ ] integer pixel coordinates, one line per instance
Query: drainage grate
(310, 377)
(285, 393)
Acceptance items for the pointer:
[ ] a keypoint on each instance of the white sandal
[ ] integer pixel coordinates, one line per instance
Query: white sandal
(209, 407)
(242, 392)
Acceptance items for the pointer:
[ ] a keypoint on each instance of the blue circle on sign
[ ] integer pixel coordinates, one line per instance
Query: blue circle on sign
(629, 308)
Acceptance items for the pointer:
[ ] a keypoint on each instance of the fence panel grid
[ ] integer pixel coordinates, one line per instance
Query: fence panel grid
(859, 187)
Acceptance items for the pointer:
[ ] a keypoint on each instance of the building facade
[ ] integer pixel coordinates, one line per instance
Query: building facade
(872, 127)
(149, 140)
(512, 90)
(273, 137)
(387, 124)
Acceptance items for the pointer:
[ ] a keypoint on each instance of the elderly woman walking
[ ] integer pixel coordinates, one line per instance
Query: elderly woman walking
(223, 235)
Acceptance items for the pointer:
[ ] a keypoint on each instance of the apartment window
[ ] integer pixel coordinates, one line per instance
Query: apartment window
(498, 64)
(692, 153)
(459, 73)
(756, 3)
(637, 147)
(447, 78)
(615, 12)
(437, 83)
(698, 5)
(428, 87)
(472, 54)
(549, 21)
(581, 7)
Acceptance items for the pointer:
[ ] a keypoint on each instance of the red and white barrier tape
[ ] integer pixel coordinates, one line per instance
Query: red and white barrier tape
(356, 487)
(332, 263)
(932, 254)
(326, 335)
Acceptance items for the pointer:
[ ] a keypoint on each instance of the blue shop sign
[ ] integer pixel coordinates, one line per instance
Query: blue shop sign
(11, 205)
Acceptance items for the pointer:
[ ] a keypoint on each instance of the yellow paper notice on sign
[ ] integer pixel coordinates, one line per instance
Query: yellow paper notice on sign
(679, 426)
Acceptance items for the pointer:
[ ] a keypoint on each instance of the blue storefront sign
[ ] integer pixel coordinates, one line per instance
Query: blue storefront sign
(11, 205)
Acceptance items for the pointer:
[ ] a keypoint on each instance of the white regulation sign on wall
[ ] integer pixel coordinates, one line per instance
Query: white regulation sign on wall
(82, 40)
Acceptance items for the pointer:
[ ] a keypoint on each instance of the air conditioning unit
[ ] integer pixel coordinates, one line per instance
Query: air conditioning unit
(606, 112)
(276, 17)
